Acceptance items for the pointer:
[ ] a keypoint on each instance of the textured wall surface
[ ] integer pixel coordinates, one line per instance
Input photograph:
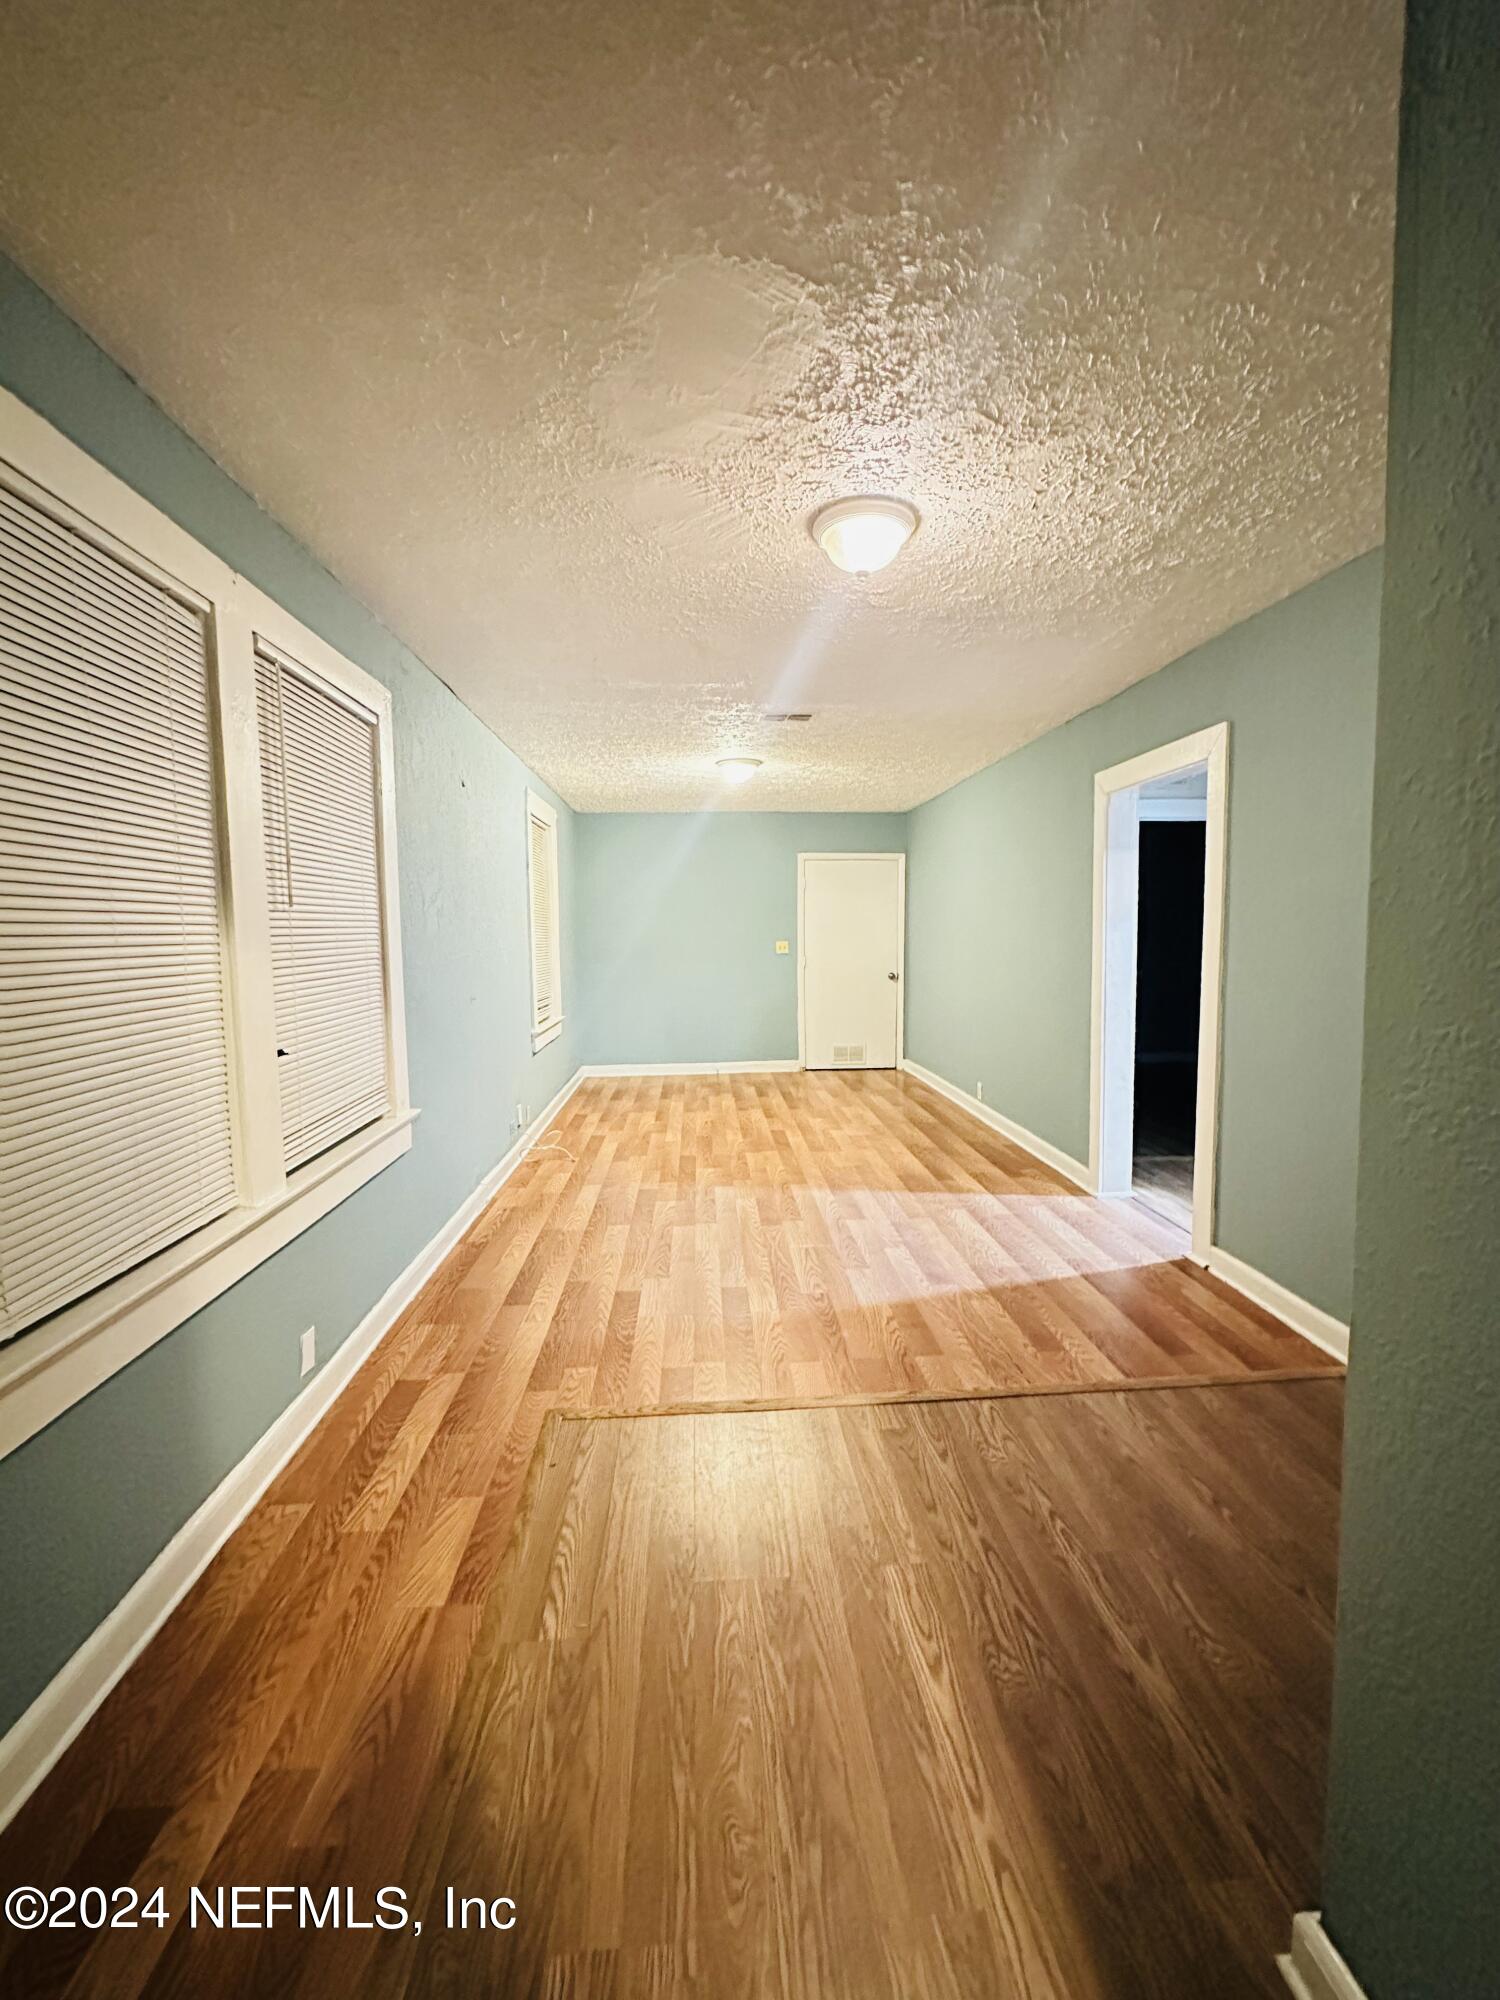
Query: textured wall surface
(88, 1502)
(1000, 938)
(1412, 1872)
(584, 308)
(678, 917)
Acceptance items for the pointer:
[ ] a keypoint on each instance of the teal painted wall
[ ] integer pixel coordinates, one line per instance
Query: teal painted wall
(670, 923)
(88, 1502)
(1000, 918)
(1412, 1866)
(678, 917)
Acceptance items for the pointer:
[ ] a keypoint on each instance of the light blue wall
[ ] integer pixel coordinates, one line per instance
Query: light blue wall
(1000, 916)
(678, 917)
(1411, 1890)
(88, 1502)
(670, 923)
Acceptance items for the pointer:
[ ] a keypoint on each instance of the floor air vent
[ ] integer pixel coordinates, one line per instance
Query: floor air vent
(848, 1052)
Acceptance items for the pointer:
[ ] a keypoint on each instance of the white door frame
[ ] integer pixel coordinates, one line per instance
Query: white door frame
(851, 854)
(1112, 1070)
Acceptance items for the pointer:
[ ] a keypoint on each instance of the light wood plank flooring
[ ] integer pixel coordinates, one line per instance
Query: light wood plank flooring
(311, 1706)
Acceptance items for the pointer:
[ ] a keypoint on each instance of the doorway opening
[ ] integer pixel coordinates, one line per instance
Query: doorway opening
(1171, 825)
(1160, 826)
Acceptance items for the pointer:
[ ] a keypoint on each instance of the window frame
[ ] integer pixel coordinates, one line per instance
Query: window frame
(46, 1368)
(544, 1032)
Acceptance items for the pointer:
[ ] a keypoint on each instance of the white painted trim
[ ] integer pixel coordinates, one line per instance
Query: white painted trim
(46, 1368)
(304, 654)
(1320, 1327)
(1314, 1968)
(898, 855)
(1112, 1081)
(38, 1738)
(777, 1067)
(539, 810)
(46, 1371)
(249, 987)
(86, 490)
(1050, 1155)
(1112, 1028)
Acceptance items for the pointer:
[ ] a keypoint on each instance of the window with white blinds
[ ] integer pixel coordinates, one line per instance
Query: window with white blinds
(546, 922)
(320, 799)
(115, 1134)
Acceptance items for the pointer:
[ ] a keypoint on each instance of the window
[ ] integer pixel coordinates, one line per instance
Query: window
(114, 1067)
(202, 1046)
(319, 803)
(546, 922)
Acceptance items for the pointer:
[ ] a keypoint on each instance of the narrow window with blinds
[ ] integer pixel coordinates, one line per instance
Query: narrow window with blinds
(546, 922)
(320, 800)
(115, 1132)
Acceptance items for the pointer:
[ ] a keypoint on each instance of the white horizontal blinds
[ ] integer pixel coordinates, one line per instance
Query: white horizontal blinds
(319, 790)
(542, 859)
(115, 1135)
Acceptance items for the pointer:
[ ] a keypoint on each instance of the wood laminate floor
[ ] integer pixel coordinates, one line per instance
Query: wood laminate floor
(1163, 1183)
(1020, 1697)
(334, 1700)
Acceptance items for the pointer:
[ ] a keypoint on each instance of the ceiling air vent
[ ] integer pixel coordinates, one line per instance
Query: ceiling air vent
(788, 715)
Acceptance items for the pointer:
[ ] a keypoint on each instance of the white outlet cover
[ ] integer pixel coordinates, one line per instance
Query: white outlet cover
(309, 1350)
(979, 1092)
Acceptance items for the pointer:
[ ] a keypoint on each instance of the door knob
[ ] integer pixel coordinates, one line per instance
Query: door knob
(893, 975)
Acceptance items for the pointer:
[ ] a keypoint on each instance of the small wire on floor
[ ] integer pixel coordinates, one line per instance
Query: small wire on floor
(549, 1144)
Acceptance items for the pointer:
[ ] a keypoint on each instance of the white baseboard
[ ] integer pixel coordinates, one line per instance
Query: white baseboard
(1320, 1327)
(33, 1744)
(690, 1069)
(1051, 1156)
(1314, 1968)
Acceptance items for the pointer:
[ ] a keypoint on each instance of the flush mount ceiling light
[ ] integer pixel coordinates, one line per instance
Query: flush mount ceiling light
(738, 769)
(864, 534)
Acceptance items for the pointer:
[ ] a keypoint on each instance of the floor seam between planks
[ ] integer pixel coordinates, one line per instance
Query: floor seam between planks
(886, 1398)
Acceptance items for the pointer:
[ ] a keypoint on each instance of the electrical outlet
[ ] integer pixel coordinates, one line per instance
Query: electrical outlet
(783, 946)
(520, 1115)
(979, 1092)
(309, 1350)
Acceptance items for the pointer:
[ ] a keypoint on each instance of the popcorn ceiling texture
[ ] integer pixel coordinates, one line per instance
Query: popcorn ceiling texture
(547, 327)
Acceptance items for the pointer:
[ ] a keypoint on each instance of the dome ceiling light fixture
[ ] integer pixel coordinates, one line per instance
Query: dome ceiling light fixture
(738, 769)
(864, 534)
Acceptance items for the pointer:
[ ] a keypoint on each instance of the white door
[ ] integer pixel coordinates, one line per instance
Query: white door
(850, 947)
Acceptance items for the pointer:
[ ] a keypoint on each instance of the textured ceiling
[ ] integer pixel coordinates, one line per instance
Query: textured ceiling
(547, 326)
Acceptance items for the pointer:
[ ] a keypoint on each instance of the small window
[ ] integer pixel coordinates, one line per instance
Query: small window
(546, 922)
(320, 805)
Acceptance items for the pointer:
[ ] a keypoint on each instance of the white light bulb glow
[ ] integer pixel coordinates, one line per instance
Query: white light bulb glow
(738, 769)
(863, 535)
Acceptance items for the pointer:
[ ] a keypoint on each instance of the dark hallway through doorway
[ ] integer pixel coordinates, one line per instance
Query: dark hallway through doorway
(1169, 973)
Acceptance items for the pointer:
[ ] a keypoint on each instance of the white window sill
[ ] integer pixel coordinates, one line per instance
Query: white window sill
(46, 1371)
(543, 1036)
